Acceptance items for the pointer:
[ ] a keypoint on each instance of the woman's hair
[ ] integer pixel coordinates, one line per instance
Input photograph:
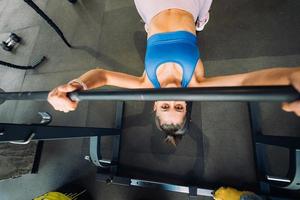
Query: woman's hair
(174, 132)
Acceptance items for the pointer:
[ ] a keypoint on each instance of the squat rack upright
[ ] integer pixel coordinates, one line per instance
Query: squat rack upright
(269, 187)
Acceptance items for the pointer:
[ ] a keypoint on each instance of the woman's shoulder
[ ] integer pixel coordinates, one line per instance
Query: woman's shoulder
(145, 81)
(198, 76)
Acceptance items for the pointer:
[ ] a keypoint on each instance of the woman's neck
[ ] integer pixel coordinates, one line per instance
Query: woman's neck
(169, 75)
(172, 83)
(172, 20)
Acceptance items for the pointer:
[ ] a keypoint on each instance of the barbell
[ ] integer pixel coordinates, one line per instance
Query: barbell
(234, 94)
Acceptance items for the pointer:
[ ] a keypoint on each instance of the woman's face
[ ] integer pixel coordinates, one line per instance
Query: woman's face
(170, 112)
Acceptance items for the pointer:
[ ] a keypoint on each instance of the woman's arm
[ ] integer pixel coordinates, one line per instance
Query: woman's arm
(273, 76)
(95, 78)
(99, 77)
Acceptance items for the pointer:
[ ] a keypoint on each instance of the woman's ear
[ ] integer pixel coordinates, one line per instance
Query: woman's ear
(154, 106)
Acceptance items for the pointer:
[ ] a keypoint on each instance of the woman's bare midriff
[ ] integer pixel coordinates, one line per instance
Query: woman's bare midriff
(172, 20)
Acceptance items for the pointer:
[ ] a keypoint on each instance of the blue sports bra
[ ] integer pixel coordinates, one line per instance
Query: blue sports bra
(179, 47)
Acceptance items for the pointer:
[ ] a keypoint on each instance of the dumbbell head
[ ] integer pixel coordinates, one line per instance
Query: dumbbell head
(15, 37)
(1, 100)
(11, 42)
(6, 47)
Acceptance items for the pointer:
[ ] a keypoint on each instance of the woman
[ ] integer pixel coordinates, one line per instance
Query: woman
(172, 60)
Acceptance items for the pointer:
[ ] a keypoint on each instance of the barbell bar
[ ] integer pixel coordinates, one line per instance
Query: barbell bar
(235, 94)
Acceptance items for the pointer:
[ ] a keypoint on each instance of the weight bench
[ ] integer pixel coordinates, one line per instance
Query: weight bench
(267, 182)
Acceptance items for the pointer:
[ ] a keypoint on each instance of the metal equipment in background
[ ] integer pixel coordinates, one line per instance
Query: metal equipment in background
(268, 187)
(11, 42)
(267, 182)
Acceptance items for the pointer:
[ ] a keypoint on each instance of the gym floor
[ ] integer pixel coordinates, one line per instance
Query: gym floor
(242, 35)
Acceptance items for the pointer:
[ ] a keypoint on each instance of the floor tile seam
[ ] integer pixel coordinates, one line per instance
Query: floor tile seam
(14, 111)
(281, 135)
(32, 50)
(222, 130)
(2, 12)
(30, 8)
(46, 25)
(22, 28)
(26, 72)
(59, 71)
(5, 5)
(204, 142)
(265, 130)
(28, 26)
(101, 31)
(87, 115)
(46, 10)
(78, 22)
(129, 6)
(90, 17)
(163, 154)
(251, 58)
(18, 102)
(62, 71)
(100, 34)
(56, 72)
